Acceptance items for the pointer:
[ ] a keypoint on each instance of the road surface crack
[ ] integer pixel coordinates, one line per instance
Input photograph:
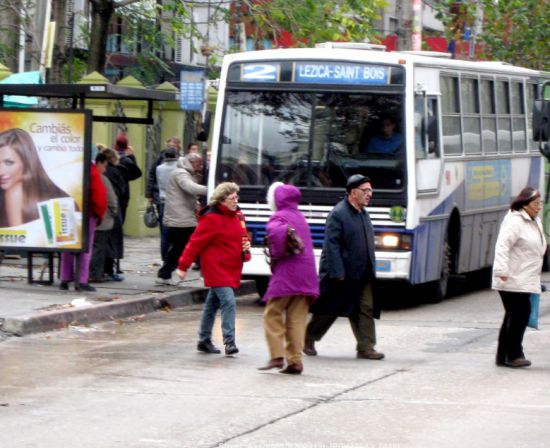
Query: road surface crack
(313, 405)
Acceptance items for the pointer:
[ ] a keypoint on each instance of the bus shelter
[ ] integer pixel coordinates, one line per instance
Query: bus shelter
(53, 141)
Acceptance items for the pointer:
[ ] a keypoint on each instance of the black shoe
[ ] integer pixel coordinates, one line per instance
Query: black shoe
(207, 347)
(231, 349)
(518, 362)
(309, 348)
(85, 287)
(293, 369)
(64, 286)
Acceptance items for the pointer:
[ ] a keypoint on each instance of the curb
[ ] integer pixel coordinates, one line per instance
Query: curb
(59, 319)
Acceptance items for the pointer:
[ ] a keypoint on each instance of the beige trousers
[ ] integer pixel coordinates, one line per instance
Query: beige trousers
(285, 318)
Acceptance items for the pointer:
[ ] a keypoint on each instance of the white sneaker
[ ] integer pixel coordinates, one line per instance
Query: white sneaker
(166, 282)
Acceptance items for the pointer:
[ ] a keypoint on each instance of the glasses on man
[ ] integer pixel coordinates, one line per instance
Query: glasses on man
(365, 190)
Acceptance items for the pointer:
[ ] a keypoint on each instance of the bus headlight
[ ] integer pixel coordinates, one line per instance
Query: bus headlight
(393, 241)
(390, 240)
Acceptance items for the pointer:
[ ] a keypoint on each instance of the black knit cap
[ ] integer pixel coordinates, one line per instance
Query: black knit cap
(171, 153)
(356, 180)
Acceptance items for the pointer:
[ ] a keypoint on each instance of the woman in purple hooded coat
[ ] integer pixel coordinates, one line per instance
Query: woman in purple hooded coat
(293, 284)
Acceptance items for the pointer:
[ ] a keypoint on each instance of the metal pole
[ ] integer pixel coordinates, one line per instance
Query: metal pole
(416, 38)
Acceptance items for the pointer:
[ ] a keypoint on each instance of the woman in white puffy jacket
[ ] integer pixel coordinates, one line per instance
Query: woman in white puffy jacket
(516, 273)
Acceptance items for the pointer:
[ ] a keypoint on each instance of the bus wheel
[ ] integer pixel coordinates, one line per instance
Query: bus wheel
(437, 290)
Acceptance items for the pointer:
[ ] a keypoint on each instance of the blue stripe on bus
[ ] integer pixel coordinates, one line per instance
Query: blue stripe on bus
(427, 244)
(258, 231)
(534, 172)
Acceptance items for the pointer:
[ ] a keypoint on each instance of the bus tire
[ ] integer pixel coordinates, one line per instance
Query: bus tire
(437, 290)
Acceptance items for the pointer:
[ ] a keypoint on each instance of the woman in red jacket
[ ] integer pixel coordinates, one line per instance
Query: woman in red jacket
(222, 243)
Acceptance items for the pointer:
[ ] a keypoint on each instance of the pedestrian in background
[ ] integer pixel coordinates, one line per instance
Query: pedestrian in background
(97, 205)
(164, 170)
(152, 189)
(192, 148)
(517, 273)
(115, 239)
(102, 231)
(127, 170)
(180, 212)
(347, 272)
(223, 245)
(293, 284)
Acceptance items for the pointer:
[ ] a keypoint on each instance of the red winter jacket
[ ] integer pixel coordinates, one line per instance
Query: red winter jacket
(218, 240)
(97, 195)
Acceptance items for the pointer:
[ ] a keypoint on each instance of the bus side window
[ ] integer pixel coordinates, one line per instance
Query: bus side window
(433, 129)
(419, 128)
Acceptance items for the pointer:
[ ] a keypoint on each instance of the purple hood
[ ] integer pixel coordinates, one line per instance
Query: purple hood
(292, 274)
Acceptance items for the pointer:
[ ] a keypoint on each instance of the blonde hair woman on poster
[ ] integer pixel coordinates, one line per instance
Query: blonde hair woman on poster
(23, 180)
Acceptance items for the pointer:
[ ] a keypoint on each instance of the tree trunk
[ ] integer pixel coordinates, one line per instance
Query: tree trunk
(59, 58)
(102, 11)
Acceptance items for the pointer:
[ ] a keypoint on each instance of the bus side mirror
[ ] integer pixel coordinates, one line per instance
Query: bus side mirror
(541, 120)
(205, 128)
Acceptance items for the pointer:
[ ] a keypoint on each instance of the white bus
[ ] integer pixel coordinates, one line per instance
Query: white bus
(307, 117)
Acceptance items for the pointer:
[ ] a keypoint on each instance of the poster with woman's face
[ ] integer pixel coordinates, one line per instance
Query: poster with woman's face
(43, 157)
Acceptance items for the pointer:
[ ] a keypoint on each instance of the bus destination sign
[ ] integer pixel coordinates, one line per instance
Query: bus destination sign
(340, 73)
(313, 72)
(266, 72)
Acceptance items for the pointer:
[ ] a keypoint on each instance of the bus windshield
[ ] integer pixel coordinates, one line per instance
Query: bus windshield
(312, 140)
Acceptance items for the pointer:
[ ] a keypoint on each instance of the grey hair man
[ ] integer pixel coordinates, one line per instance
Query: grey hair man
(347, 272)
(180, 211)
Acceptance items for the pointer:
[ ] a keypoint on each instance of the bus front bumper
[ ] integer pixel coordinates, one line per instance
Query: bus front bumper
(389, 265)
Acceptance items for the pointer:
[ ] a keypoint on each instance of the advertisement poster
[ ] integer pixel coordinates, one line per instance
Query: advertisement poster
(43, 179)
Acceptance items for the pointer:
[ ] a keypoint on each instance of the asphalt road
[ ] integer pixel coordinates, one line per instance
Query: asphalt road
(140, 383)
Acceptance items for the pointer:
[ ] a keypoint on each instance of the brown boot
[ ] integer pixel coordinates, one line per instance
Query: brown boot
(370, 354)
(275, 363)
(518, 362)
(293, 369)
(309, 348)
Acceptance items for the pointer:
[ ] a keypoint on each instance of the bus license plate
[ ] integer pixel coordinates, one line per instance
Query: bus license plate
(383, 265)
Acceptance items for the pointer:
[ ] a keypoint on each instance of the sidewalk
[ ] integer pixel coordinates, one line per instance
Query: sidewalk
(30, 308)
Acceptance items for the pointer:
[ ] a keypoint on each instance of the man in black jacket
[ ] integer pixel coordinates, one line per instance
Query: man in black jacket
(347, 272)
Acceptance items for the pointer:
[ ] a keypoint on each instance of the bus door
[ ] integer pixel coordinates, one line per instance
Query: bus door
(426, 144)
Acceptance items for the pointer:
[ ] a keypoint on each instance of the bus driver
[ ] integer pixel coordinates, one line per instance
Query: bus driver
(389, 143)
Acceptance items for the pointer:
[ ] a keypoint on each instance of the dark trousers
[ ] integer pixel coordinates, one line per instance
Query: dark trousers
(517, 306)
(177, 240)
(361, 321)
(164, 242)
(97, 265)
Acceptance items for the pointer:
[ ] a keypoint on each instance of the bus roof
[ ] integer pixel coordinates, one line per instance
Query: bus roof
(393, 57)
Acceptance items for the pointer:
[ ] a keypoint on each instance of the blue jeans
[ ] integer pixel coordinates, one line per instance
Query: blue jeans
(224, 299)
